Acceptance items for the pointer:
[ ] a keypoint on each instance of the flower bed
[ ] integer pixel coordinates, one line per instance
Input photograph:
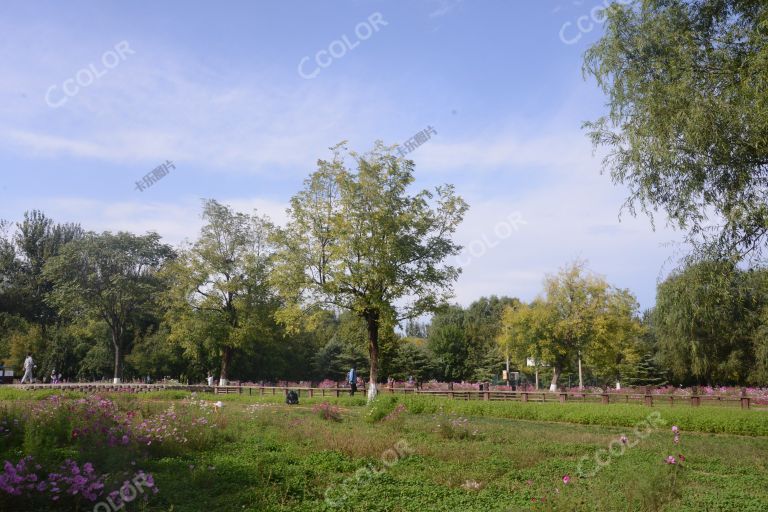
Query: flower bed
(79, 450)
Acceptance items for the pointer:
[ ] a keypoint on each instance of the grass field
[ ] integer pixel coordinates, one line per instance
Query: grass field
(415, 454)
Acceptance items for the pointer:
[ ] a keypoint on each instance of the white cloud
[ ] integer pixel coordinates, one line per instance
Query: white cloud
(175, 222)
(564, 221)
(158, 104)
(444, 7)
(510, 149)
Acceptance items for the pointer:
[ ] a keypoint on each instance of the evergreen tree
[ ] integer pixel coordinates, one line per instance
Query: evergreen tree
(647, 373)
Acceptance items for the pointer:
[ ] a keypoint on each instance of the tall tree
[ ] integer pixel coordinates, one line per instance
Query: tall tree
(576, 298)
(109, 276)
(482, 324)
(220, 300)
(38, 239)
(614, 347)
(448, 342)
(580, 318)
(9, 269)
(526, 336)
(707, 319)
(357, 239)
(687, 127)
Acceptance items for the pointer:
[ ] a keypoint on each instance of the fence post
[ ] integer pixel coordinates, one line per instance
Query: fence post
(648, 396)
(605, 398)
(744, 399)
(695, 399)
(337, 390)
(563, 397)
(311, 394)
(524, 395)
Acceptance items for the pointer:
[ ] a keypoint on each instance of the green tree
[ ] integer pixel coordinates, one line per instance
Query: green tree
(448, 342)
(580, 318)
(575, 298)
(687, 127)
(482, 324)
(707, 319)
(358, 240)
(647, 373)
(109, 276)
(614, 347)
(526, 336)
(220, 301)
(413, 360)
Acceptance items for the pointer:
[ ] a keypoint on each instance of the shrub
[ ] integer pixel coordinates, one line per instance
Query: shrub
(327, 411)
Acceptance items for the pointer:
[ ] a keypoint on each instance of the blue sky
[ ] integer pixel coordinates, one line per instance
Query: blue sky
(93, 96)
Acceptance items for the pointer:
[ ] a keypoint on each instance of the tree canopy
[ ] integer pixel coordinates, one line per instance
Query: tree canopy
(357, 239)
(110, 276)
(687, 125)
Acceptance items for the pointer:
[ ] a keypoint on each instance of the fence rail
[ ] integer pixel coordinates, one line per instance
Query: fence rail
(744, 401)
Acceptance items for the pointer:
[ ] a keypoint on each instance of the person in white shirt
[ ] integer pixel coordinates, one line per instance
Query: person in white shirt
(29, 365)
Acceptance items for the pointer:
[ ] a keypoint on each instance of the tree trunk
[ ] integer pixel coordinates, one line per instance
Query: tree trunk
(226, 359)
(537, 378)
(116, 344)
(555, 375)
(372, 321)
(581, 376)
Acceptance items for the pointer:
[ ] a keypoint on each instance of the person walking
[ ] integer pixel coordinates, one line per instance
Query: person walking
(352, 379)
(29, 365)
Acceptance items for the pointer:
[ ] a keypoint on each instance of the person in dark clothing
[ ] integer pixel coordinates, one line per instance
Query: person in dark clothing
(352, 379)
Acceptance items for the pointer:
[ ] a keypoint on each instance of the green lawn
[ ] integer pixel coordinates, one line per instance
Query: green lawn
(445, 455)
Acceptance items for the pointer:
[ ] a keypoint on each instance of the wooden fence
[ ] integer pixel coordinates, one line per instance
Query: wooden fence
(744, 401)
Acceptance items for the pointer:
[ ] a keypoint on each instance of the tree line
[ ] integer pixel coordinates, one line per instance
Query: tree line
(92, 305)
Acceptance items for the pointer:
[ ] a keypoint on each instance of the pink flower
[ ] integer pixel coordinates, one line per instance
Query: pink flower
(670, 460)
(675, 429)
(623, 439)
(566, 479)
(681, 457)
